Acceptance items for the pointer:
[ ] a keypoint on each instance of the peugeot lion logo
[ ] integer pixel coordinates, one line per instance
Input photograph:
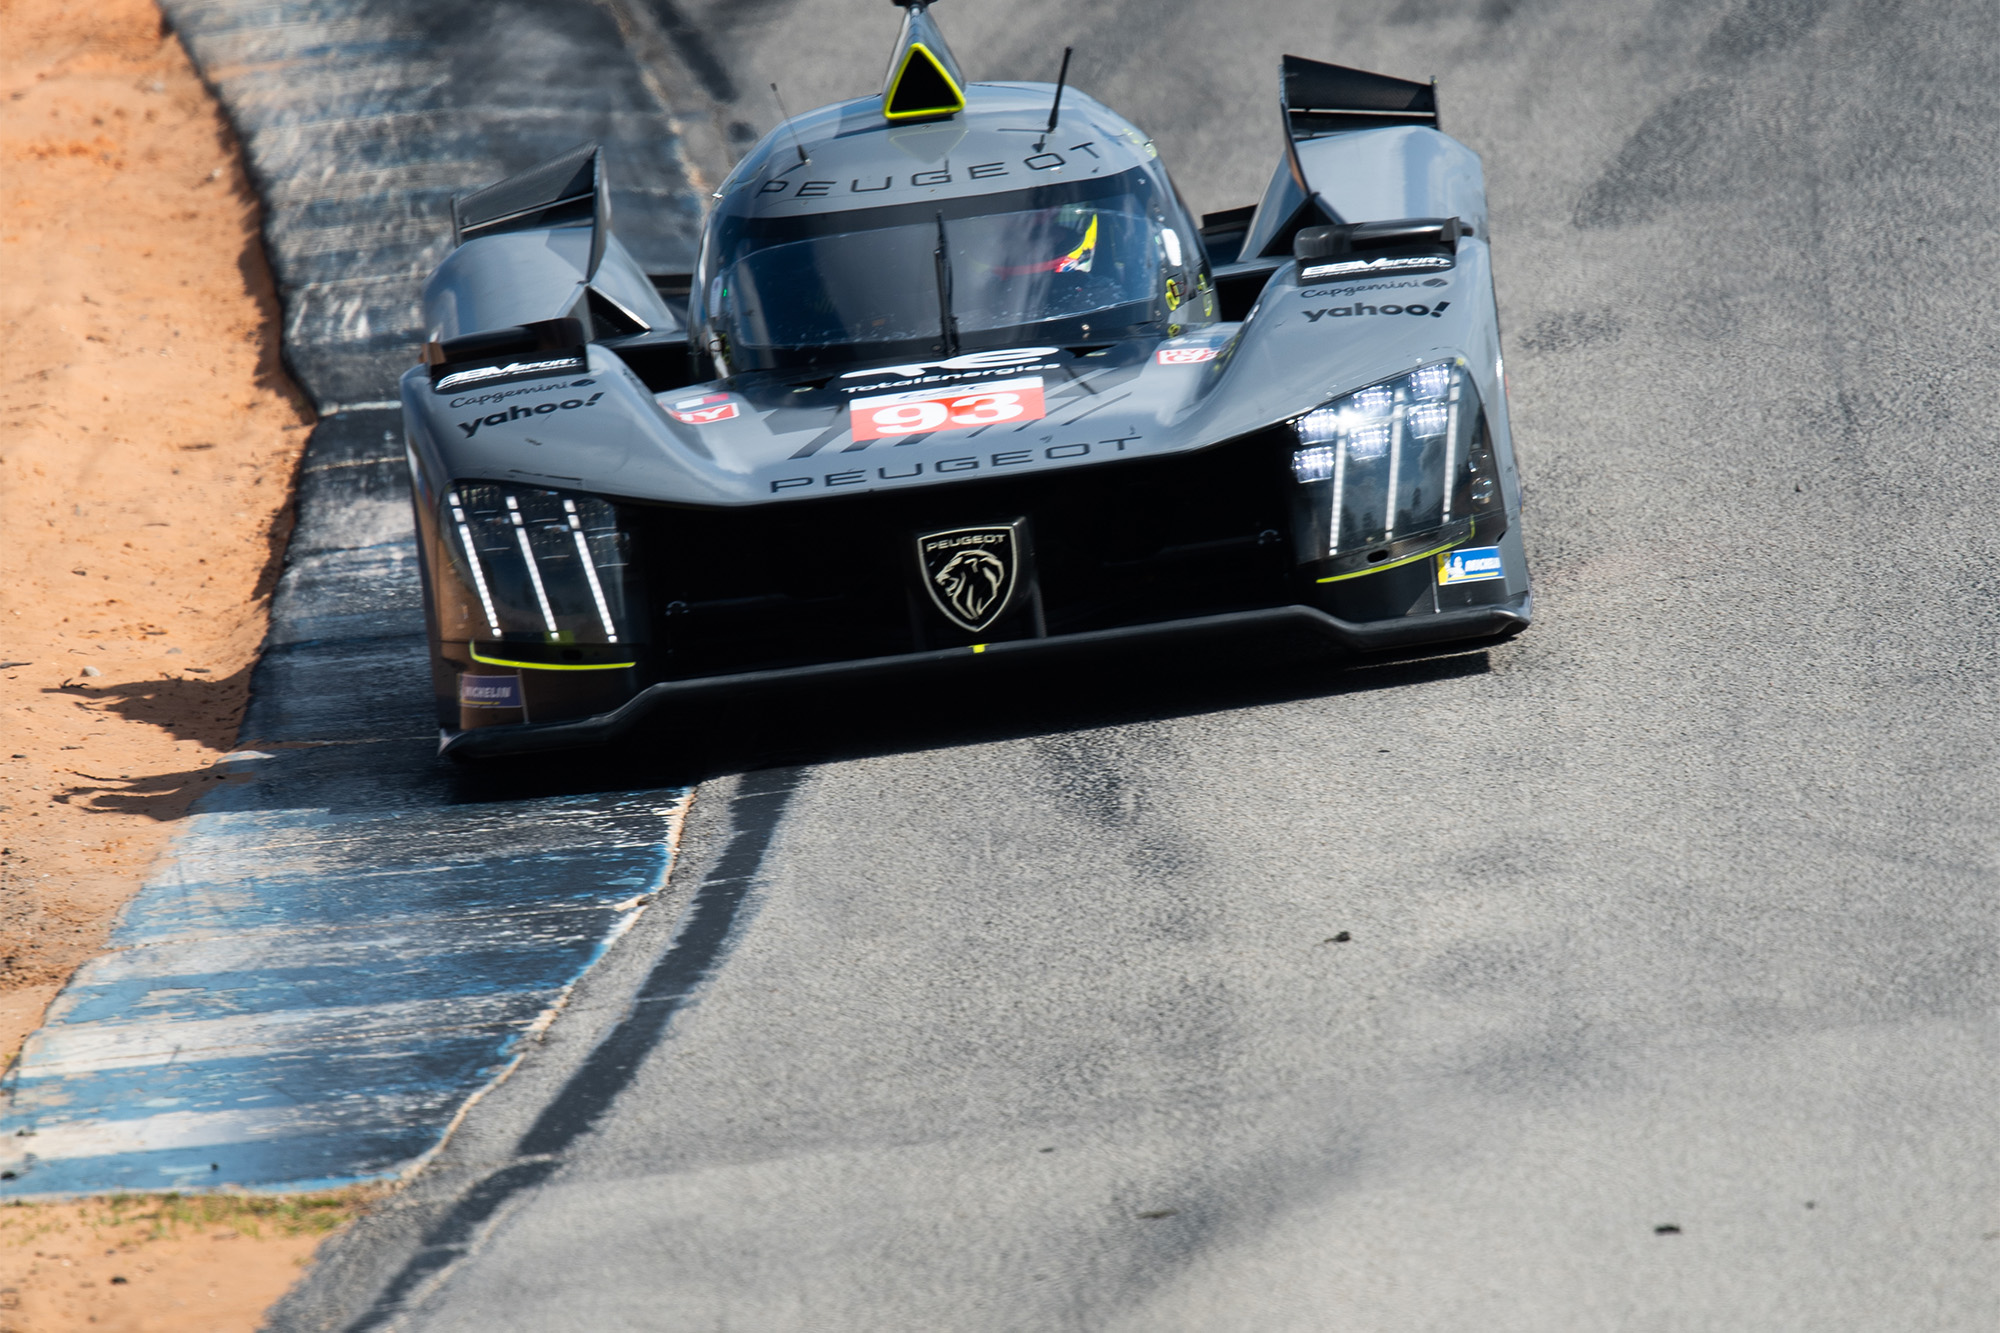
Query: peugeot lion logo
(971, 572)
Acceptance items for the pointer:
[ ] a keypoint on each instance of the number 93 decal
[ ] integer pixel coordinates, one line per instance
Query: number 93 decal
(962, 408)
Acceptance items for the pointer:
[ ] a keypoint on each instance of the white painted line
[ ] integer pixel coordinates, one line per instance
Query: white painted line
(171, 1129)
(66, 1050)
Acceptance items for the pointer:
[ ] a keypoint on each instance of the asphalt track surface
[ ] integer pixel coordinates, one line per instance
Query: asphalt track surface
(1637, 974)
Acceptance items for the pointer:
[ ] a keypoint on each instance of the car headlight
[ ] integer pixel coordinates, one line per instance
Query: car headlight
(536, 567)
(1393, 472)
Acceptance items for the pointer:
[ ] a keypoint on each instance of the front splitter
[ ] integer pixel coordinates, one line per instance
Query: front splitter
(1447, 627)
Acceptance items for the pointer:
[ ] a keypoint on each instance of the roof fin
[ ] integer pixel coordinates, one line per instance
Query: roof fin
(924, 81)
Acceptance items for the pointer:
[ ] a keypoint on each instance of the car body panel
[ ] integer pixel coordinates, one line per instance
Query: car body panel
(1307, 343)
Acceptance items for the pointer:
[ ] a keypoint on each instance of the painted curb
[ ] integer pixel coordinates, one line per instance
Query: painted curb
(346, 944)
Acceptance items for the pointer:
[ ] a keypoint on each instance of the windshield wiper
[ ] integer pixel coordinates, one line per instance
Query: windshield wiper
(947, 322)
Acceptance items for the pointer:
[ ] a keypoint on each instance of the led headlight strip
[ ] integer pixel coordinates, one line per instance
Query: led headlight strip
(472, 562)
(590, 571)
(1398, 466)
(528, 559)
(544, 565)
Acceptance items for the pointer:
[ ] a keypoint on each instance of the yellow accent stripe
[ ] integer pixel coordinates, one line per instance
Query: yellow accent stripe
(477, 656)
(943, 73)
(1393, 564)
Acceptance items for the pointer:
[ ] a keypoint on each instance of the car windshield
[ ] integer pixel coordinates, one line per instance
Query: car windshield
(864, 283)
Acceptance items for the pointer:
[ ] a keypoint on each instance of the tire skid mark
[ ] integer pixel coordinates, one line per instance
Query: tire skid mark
(360, 120)
(708, 928)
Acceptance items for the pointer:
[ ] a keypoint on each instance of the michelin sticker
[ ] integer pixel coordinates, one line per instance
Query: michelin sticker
(489, 691)
(1473, 564)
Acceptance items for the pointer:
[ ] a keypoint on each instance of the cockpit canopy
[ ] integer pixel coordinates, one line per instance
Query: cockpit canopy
(893, 242)
(1088, 260)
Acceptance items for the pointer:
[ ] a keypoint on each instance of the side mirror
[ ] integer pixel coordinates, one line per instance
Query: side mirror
(499, 356)
(1359, 249)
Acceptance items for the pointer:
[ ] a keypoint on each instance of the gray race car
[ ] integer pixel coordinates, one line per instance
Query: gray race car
(957, 375)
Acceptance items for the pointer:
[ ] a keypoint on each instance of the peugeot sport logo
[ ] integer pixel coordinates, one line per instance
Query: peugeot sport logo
(971, 572)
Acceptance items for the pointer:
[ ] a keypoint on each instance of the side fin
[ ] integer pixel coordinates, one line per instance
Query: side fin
(568, 190)
(1322, 99)
(924, 81)
(1316, 98)
(1289, 206)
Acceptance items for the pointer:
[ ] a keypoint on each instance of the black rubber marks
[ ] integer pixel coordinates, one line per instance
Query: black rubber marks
(452, 1238)
(754, 814)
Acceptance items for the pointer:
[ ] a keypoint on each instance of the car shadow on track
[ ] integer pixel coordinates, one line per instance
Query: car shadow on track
(977, 704)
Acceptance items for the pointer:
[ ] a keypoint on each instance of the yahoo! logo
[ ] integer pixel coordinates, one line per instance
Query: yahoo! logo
(518, 413)
(1315, 316)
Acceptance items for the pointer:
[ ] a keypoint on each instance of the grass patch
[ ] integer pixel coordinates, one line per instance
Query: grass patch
(171, 1216)
(166, 1215)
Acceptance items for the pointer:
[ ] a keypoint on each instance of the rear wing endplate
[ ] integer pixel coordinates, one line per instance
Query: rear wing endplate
(564, 191)
(1315, 98)
(1324, 99)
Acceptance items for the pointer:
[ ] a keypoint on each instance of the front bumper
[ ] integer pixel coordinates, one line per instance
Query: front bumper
(1446, 627)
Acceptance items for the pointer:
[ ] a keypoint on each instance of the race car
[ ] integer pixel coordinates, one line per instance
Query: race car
(957, 377)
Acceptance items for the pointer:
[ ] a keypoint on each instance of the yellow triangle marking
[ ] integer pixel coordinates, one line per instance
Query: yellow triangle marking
(956, 105)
